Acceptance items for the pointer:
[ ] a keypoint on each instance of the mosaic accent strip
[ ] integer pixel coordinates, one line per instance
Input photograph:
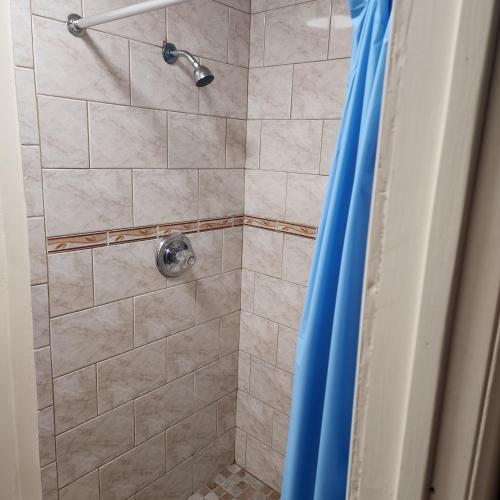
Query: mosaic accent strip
(65, 243)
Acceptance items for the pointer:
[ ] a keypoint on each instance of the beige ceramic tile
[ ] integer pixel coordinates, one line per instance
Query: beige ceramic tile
(279, 300)
(297, 257)
(32, 178)
(269, 92)
(82, 338)
(265, 194)
(229, 333)
(280, 432)
(340, 30)
(135, 261)
(78, 201)
(291, 145)
(253, 144)
(243, 5)
(63, 132)
(264, 463)
(43, 375)
(70, 285)
(258, 337)
(165, 196)
(319, 89)
(190, 435)
(262, 5)
(132, 471)
(240, 447)
(49, 482)
(37, 254)
(287, 340)
(271, 385)
(238, 38)
(262, 250)
(46, 437)
(103, 69)
(217, 296)
(26, 106)
(94, 443)
(244, 371)
(304, 198)
(235, 143)
(163, 407)
(40, 315)
(257, 27)
(86, 488)
(330, 133)
(21, 33)
(232, 248)
(127, 376)
(226, 413)
(191, 349)
(160, 314)
(127, 137)
(75, 398)
(56, 9)
(247, 290)
(216, 380)
(155, 84)
(255, 417)
(221, 193)
(227, 96)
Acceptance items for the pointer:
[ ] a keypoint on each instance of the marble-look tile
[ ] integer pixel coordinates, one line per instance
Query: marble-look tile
(21, 33)
(213, 458)
(304, 198)
(238, 38)
(63, 132)
(243, 5)
(244, 371)
(247, 290)
(78, 201)
(264, 463)
(298, 33)
(216, 380)
(340, 30)
(240, 447)
(70, 285)
(190, 435)
(155, 84)
(176, 484)
(102, 72)
(297, 257)
(75, 398)
(258, 337)
(271, 385)
(40, 315)
(26, 106)
(232, 248)
(257, 29)
(94, 443)
(163, 313)
(132, 471)
(127, 137)
(263, 5)
(269, 92)
(49, 482)
(86, 488)
(201, 27)
(165, 196)
(135, 261)
(265, 194)
(217, 296)
(148, 27)
(43, 375)
(255, 417)
(191, 349)
(32, 179)
(163, 407)
(330, 133)
(196, 141)
(235, 143)
(226, 413)
(252, 159)
(229, 333)
(291, 145)
(82, 338)
(129, 375)
(56, 9)
(46, 436)
(222, 193)
(279, 300)
(280, 432)
(227, 96)
(262, 250)
(287, 341)
(319, 89)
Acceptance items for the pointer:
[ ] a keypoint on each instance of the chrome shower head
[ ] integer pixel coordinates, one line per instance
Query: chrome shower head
(202, 75)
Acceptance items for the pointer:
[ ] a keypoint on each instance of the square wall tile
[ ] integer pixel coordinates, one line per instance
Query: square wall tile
(32, 179)
(247, 290)
(340, 30)
(330, 134)
(40, 315)
(280, 432)
(49, 482)
(287, 342)
(53, 8)
(262, 250)
(255, 417)
(244, 371)
(297, 257)
(226, 413)
(232, 248)
(240, 447)
(229, 333)
(235, 143)
(43, 375)
(257, 27)
(264, 463)
(238, 38)
(26, 105)
(258, 337)
(37, 254)
(21, 33)
(252, 152)
(265, 194)
(46, 437)
(304, 198)
(222, 193)
(86, 488)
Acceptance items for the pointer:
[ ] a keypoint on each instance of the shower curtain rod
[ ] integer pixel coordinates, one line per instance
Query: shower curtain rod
(77, 24)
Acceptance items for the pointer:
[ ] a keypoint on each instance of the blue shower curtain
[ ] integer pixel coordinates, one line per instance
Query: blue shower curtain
(317, 456)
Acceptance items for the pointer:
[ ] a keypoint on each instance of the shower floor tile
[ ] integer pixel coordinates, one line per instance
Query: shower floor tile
(235, 482)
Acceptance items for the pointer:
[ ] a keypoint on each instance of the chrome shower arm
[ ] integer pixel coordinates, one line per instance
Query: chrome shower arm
(182, 53)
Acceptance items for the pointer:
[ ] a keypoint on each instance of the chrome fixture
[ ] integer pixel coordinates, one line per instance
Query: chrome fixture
(202, 75)
(77, 25)
(174, 255)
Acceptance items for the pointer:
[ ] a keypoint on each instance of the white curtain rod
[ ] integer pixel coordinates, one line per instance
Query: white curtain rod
(77, 25)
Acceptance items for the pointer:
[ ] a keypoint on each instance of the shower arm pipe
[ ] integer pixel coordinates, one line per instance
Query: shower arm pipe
(77, 24)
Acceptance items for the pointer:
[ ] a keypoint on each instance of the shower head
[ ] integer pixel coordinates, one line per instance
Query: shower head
(202, 75)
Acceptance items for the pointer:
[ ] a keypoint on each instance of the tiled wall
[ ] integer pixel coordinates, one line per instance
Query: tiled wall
(299, 57)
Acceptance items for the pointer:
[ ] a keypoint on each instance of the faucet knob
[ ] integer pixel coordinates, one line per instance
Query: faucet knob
(174, 255)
